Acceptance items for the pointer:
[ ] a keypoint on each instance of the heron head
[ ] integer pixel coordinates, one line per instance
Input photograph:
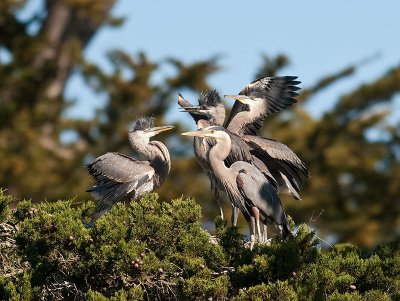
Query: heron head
(145, 128)
(212, 132)
(210, 108)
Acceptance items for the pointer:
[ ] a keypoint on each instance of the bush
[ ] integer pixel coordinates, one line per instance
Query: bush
(157, 250)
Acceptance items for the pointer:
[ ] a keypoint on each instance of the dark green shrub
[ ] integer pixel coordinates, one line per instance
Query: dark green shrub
(157, 250)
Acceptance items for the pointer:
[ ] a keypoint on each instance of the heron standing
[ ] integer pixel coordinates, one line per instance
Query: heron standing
(256, 101)
(122, 178)
(247, 188)
(211, 111)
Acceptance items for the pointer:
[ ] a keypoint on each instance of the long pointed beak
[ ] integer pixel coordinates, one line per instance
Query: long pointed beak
(194, 134)
(159, 129)
(183, 102)
(240, 98)
(192, 109)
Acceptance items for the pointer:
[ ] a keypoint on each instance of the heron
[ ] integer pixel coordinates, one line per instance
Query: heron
(255, 102)
(211, 100)
(248, 189)
(211, 111)
(122, 178)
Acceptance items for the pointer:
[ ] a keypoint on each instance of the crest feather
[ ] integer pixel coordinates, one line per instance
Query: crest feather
(143, 123)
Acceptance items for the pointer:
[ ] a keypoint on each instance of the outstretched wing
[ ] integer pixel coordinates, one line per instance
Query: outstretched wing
(119, 168)
(278, 93)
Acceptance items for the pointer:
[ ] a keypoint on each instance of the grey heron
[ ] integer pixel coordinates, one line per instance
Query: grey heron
(253, 104)
(211, 111)
(122, 178)
(248, 189)
(213, 103)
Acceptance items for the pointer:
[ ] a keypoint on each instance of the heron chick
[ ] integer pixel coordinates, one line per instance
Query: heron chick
(122, 178)
(248, 189)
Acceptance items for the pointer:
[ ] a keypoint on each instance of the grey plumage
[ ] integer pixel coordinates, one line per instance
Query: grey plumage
(286, 167)
(122, 178)
(211, 111)
(248, 189)
(259, 99)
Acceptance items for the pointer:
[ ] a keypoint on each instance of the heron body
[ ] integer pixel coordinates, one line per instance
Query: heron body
(213, 114)
(286, 167)
(122, 178)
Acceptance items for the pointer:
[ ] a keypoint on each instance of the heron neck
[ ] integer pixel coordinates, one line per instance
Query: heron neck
(160, 160)
(242, 119)
(218, 117)
(219, 152)
(217, 120)
(157, 153)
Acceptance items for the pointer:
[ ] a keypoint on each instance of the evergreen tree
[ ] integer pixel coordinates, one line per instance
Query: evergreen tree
(32, 95)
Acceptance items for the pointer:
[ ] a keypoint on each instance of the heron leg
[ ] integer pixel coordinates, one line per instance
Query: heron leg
(256, 214)
(265, 234)
(252, 227)
(235, 214)
(221, 212)
(252, 232)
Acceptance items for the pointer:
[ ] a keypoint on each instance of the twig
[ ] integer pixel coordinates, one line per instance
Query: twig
(312, 219)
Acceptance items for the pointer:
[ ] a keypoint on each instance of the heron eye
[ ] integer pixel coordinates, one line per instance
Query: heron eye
(212, 131)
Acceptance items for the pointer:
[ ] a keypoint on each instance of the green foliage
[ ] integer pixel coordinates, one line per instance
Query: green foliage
(203, 286)
(157, 250)
(5, 201)
(275, 291)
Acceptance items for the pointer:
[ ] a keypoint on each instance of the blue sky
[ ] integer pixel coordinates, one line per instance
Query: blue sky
(320, 37)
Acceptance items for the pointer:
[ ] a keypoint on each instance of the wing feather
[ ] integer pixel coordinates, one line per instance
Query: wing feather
(289, 171)
(278, 92)
(119, 168)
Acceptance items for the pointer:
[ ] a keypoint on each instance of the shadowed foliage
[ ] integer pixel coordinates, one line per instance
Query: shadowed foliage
(157, 250)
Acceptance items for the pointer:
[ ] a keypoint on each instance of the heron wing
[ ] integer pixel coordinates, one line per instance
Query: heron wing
(278, 92)
(276, 150)
(240, 151)
(120, 168)
(284, 164)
